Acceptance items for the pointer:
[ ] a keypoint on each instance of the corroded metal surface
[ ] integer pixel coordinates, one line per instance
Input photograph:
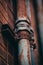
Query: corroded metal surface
(21, 8)
(24, 32)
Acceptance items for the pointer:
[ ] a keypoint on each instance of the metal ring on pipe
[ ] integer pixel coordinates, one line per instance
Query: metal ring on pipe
(22, 23)
(23, 19)
(22, 28)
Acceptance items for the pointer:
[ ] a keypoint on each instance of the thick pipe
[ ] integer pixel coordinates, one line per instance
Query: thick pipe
(23, 31)
(24, 52)
(21, 11)
(21, 8)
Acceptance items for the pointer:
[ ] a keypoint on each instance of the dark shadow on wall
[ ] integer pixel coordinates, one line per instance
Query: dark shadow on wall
(8, 35)
(16, 41)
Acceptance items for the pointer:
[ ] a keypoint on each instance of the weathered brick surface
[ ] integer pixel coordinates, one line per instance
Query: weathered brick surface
(6, 13)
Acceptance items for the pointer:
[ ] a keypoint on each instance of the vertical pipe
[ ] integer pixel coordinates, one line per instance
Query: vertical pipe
(21, 8)
(28, 3)
(21, 11)
(23, 32)
(24, 52)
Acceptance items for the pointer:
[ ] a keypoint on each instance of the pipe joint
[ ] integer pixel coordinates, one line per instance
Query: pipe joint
(22, 25)
(23, 19)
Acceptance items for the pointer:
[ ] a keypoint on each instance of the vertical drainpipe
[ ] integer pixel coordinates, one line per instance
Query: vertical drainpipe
(23, 31)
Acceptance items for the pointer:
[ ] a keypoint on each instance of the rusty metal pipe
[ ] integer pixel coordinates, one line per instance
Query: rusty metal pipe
(24, 32)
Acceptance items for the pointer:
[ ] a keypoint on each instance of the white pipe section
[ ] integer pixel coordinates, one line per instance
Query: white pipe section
(22, 28)
(23, 22)
(24, 52)
(24, 18)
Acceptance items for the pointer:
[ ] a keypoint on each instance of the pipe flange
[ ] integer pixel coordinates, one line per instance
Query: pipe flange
(23, 19)
(21, 28)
